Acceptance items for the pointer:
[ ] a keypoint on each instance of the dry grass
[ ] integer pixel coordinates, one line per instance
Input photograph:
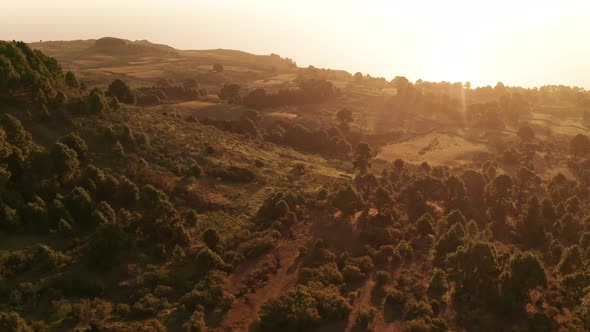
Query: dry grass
(436, 149)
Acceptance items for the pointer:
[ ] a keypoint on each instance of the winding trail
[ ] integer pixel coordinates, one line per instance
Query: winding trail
(244, 312)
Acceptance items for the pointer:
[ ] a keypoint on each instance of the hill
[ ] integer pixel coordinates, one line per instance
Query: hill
(100, 61)
(146, 190)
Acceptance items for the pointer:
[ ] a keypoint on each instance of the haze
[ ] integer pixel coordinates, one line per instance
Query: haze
(529, 43)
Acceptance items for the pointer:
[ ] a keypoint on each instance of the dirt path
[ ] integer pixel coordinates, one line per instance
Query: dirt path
(244, 311)
(364, 300)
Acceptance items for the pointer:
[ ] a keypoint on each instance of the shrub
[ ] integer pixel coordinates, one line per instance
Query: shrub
(12, 322)
(79, 204)
(438, 284)
(121, 91)
(65, 161)
(233, 174)
(424, 225)
(211, 293)
(327, 274)
(218, 68)
(35, 217)
(76, 143)
(71, 80)
(347, 200)
(128, 191)
(394, 304)
(302, 308)
(382, 278)
(195, 170)
(211, 238)
(147, 306)
(352, 273)
(196, 323)
(207, 260)
(364, 317)
(108, 244)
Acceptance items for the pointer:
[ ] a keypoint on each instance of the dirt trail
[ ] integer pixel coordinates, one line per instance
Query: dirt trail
(244, 311)
(363, 301)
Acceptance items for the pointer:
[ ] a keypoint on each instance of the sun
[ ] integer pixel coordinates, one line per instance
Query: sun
(453, 60)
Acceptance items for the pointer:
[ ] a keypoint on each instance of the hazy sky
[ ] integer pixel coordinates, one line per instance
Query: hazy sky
(519, 42)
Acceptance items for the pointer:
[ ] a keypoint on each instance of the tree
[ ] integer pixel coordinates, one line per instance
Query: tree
(383, 199)
(231, 93)
(344, 116)
(526, 133)
(363, 158)
(218, 68)
(79, 203)
(65, 161)
(96, 103)
(303, 307)
(525, 273)
(76, 143)
(122, 91)
(190, 83)
(424, 225)
(347, 200)
(580, 145)
(12, 322)
(211, 238)
(128, 191)
(71, 80)
(108, 244)
(438, 284)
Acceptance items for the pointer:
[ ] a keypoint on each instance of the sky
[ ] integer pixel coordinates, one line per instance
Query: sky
(518, 42)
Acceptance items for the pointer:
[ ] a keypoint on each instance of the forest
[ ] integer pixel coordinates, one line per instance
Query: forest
(146, 188)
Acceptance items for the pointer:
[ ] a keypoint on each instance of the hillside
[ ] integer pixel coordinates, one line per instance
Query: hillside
(146, 190)
(100, 61)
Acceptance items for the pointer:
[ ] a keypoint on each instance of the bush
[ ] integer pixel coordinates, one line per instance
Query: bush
(382, 278)
(108, 244)
(121, 91)
(352, 273)
(364, 317)
(303, 307)
(347, 200)
(394, 305)
(128, 191)
(233, 174)
(211, 238)
(147, 306)
(76, 143)
(438, 284)
(195, 170)
(424, 225)
(211, 293)
(12, 322)
(79, 204)
(207, 260)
